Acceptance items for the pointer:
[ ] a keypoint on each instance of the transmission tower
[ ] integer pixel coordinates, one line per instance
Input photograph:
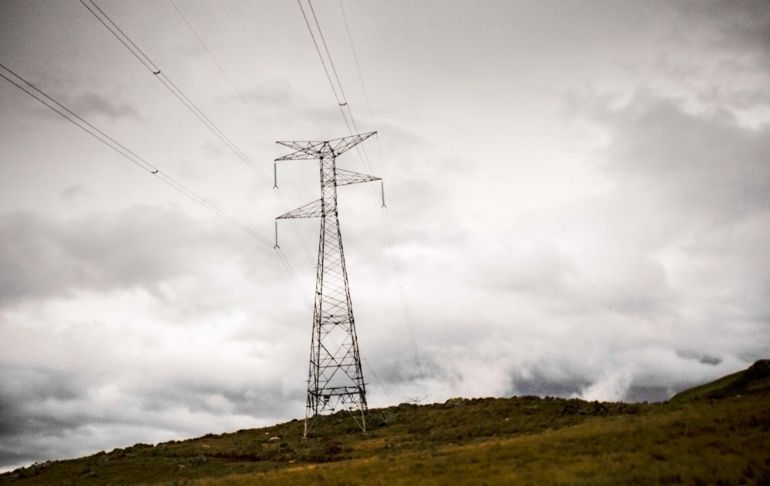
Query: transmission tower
(335, 380)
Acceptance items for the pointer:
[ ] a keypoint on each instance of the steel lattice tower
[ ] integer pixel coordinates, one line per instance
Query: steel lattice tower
(335, 379)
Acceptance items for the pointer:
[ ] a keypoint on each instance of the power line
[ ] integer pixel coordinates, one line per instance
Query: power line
(386, 214)
(365, 159)
(345, 105)
(218, 65)
(318, 51)
(328, 54)
(54, 105)
(355, 59)
(293, 274)
(148, 63)
(276, 191)
(342, 101)
(361, 78)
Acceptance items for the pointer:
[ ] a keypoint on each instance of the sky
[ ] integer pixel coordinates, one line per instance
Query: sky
(578, 205)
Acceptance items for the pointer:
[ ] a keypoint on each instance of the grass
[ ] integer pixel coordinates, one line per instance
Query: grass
(523, 440)
(754, 380)
(689, 444)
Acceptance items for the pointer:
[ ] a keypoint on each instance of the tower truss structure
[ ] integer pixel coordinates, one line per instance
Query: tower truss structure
(335, 378)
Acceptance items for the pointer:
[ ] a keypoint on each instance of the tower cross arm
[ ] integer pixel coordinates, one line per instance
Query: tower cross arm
(346, 177)
(342, 145)
(308, 150)
(316, 149)
(310, 210)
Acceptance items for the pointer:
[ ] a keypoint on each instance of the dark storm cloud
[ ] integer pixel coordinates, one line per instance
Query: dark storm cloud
(41, 406)
(23, 386)
(647, 393)
(21, 389)
(9, 457)
(540, 383)
(57, 411)
(140, 246)
(566, 383)
(267, 400)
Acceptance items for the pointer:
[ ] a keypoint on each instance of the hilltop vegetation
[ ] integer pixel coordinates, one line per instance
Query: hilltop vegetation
(755, 380)
(714, 434)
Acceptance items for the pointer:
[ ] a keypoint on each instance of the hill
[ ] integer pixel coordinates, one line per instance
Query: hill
(718, 433)
(755, 380)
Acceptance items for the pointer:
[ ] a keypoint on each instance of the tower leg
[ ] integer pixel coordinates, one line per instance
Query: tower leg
(335, 377)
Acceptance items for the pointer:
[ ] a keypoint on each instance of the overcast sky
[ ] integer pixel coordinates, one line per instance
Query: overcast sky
(578, 194)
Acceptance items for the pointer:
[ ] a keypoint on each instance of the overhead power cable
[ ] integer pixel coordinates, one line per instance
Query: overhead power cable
(276, 191)
(345, 105)
(151, 66)
(328, 63)
(361, 81)
(355, 59)
(326, 49)
(216, 62)
(148, 63)
(54, 105)
(340, 97)
(318, 51)
(342, 101)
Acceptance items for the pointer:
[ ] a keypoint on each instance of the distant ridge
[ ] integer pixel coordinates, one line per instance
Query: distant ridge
(752, 381)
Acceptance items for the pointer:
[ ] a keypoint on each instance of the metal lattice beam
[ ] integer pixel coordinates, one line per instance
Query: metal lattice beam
(314, 149)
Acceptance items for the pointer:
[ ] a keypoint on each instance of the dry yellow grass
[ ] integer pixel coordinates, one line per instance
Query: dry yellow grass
(695, 444)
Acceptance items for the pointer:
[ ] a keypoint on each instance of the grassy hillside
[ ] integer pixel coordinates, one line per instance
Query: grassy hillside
(715, 434)
(755, 380)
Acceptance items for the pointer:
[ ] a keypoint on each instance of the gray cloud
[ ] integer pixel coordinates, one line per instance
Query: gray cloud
(598, 300)
(73, 192)
(741, 26)
(44, 408)
(139, 246)
(537, 382)
(706, 166)
(22, 387)
(88, 104)
(269, 95)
